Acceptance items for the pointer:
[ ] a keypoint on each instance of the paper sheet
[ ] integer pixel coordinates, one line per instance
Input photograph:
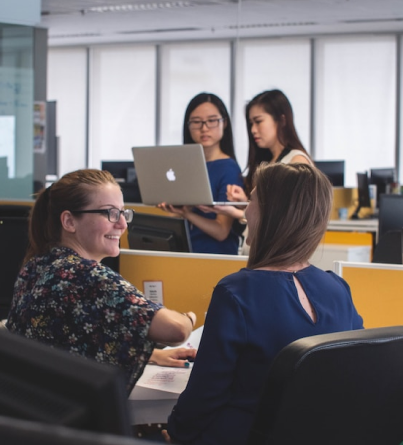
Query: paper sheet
(167, 379)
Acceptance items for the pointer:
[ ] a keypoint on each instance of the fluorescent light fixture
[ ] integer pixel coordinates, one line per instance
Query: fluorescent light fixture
(139, 7)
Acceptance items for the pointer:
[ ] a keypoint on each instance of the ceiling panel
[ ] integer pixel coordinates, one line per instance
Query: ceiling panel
(79, 22)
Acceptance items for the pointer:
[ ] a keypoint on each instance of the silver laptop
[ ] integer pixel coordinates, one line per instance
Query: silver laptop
(174, 174)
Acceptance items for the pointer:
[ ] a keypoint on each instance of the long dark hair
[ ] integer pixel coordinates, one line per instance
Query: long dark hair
(227, 141)
(275, 103)
(294, 202)
(70, 192)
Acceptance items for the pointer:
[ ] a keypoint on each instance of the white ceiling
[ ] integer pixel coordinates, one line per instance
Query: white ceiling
(71, 22)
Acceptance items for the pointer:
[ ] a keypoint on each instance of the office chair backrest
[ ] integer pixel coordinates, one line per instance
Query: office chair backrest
(389, 248)
(390, 213)
(343, 388)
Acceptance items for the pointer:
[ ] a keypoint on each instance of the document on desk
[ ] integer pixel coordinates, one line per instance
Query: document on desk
(167, 379)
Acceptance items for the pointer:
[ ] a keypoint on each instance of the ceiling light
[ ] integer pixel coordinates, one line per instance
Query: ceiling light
(139, 7)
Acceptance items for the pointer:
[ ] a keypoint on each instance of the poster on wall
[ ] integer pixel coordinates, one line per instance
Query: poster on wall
(39, 127)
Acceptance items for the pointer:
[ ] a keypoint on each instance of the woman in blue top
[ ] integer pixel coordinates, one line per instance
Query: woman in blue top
(207, 123)
(257, 311)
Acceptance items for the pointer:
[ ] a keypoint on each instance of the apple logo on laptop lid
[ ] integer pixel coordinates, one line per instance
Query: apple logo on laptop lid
(171, 175)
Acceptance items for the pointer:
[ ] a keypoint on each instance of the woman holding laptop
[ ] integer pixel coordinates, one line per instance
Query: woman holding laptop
(207, 123)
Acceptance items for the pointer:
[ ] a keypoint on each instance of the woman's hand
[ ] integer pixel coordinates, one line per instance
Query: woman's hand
(177, 210)
(166, 436)
(231, 211)
(236, 193)
(177, 357)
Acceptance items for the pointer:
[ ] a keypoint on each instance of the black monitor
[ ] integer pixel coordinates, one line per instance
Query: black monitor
(24, 432)
(382, 178)
(334, 170)
(155, 232)
(125, 174)
(44, 384)
(364, 199)
(390, 214)
(14, 244)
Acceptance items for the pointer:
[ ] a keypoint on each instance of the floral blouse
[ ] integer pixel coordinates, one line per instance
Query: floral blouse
(84, 307)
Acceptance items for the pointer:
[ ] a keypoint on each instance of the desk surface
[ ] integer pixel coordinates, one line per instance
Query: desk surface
(360, 225)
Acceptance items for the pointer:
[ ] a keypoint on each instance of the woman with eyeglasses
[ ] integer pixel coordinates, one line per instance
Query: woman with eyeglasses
(65, 297)
(207, 123)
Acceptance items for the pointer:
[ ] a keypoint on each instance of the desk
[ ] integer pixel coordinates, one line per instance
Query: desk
(144, 410)
(359, 227)
(158, 389)
(326, 254)
(354, 225)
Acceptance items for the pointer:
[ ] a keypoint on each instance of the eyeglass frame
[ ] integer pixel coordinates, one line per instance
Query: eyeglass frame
(124, 212)
(218, 120)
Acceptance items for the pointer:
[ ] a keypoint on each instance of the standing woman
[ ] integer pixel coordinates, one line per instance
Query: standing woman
(207, 123)
(272, 137)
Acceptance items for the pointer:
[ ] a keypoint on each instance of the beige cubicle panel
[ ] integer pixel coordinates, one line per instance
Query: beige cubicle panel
(376, 290)
(188, 279)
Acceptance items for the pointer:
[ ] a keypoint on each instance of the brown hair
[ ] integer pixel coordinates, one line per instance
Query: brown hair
(71, 192)
(294, 203)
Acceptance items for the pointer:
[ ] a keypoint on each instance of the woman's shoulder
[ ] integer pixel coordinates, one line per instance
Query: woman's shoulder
(223, 163)
(245, 277)
(66, 259)
(293, 153)
(226, 171)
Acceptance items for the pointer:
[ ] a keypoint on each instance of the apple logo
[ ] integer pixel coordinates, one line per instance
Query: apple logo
(171, 175)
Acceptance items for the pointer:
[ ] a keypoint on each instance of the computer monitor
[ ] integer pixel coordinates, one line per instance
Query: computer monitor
(155, 232)
(390, 214)
(24, 432)
(382, 178)
(334, 170)
(125, 174)
(364, 199)
(14, 244)
(45, 384)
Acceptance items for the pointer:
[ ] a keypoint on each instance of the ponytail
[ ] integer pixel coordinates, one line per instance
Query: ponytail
(70, 192)
(38, 226)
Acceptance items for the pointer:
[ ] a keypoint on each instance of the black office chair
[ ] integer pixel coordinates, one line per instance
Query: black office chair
(389, 248)
(23, 432)
(14, 243)
(335, 389)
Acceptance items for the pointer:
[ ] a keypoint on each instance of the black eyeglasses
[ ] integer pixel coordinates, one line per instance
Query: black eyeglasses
(210, 123)
(113, 214)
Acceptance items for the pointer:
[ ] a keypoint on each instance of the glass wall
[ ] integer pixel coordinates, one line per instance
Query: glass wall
(16, 111)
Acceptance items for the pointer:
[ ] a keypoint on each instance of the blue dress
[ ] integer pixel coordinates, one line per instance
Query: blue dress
(253, 314)
(221, 173)
(84, 307)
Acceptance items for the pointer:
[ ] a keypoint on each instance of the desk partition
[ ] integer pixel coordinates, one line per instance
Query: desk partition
(376, 290)
(186, 280)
